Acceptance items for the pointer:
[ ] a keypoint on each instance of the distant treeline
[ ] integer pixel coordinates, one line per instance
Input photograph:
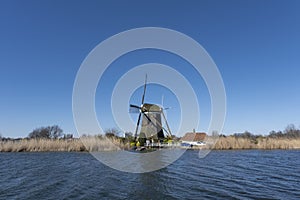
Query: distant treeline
(290, 132)
(47, 132)
(55, 132)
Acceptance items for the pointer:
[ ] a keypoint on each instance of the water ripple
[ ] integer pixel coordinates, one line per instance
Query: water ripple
(220, 175)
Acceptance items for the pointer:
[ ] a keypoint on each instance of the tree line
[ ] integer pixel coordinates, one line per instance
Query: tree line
(290, 132)
(55, 132)
(44, 132)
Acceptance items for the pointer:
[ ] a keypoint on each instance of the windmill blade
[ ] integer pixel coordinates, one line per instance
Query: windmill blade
(137, 126)
(162, 103)
(158, 125)
(148, 118)
(143, 98)
(134, 109)
(135, 106)
(169, 130)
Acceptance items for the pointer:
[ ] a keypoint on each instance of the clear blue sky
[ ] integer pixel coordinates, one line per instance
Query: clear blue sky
(255, 44)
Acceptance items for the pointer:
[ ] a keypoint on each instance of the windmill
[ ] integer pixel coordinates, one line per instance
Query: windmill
(152, 115)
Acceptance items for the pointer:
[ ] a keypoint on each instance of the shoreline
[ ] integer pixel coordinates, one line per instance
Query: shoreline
(95, 144)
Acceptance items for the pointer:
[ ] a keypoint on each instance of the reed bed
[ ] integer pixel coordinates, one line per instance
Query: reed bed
(95, 144)
(103, 144)
(43, 145)
(272, 143)
(225, 143)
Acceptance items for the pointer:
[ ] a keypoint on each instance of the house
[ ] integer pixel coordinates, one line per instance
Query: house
(193, 139)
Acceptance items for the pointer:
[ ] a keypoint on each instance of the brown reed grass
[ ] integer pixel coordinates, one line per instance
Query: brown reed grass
(41, 145)
(231, 142)
(94, 143)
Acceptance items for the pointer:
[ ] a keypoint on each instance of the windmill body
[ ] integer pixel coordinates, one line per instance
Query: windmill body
(152, 126)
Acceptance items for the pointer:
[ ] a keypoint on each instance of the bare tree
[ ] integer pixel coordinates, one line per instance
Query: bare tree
(291, 131)
(111, 132)
(50, 132)
(55, 131)
(290, 128)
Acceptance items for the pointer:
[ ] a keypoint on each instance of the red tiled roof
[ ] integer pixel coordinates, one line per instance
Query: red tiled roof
(193, 137)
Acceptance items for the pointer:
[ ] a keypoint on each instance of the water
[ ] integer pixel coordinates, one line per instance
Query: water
(221, 175)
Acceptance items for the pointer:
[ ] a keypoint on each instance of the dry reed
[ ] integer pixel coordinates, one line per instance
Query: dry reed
(92, 143)
(41, 145)
(231, 142)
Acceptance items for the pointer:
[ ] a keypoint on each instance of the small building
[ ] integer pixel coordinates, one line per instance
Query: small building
(193, 139)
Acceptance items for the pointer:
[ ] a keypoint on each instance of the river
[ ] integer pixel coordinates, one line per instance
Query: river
(246, 174)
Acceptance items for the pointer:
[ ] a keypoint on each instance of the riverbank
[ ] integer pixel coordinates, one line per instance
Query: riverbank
(113, 144)
(231, 142)
(69, 145)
